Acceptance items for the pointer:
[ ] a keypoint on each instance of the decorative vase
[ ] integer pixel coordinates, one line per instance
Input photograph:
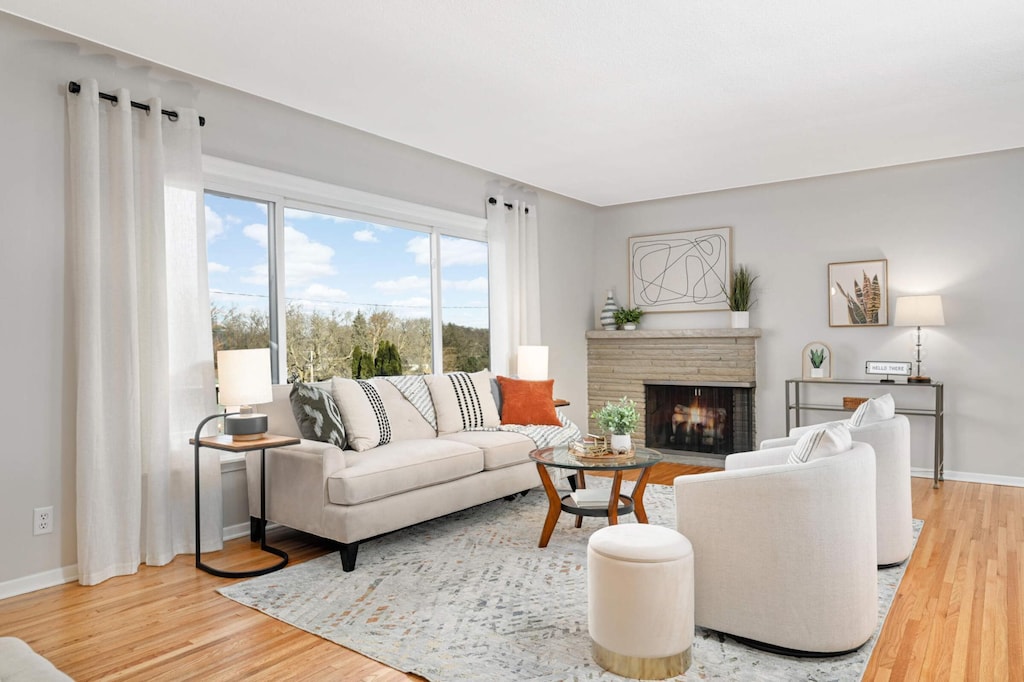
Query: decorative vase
(740, 319)
(817, 372)
(608, 312)
(621, 442)
(629, 326)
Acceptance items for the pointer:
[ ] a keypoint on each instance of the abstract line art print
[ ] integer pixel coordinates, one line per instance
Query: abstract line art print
(681, 272)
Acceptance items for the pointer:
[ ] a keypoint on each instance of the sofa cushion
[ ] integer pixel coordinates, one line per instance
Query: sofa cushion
(463, 401)
(824, 442)
(501, 448)
(375, 413)
(528, 402)
(400, 467)
(317, 414)
(874, 410)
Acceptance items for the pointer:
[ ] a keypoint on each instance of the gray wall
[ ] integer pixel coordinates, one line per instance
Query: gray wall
(37, 459)
(951, 227)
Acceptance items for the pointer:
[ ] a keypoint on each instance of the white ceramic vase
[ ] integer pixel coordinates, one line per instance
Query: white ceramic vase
(608, 312)
(621, 442)
(817, 372)
(740, 319)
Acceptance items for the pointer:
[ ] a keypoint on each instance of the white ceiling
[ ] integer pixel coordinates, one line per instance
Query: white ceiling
(608, 101)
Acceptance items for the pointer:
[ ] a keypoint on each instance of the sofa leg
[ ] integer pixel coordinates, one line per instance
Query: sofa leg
(256, 529)
(509, 498)
(348, 552)
(524, 493)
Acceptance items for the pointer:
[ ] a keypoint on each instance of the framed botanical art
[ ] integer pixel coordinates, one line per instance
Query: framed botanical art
(858, 294)
(681, 272)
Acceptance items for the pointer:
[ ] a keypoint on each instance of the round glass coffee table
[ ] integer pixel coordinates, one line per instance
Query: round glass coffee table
(562, 458)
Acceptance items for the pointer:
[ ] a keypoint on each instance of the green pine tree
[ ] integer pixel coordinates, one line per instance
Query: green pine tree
(362, 364)
(388, 362)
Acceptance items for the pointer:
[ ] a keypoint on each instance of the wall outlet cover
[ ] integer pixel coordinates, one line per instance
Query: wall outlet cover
(42, 521)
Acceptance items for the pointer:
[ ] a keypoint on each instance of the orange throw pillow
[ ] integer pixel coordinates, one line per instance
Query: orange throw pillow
(528, 402)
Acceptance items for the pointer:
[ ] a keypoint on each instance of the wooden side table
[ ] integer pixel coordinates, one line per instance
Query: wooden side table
(226, 444)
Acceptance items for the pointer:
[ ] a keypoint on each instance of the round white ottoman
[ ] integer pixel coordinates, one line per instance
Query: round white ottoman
(640, 600)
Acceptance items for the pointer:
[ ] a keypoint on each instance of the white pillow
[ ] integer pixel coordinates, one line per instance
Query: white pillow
(874, 410)
(463, 401)
(829, 440)
(363, 413)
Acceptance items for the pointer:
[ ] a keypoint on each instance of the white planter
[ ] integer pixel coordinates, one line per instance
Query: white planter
(629, 326)
(740, 319)
(621, 442)
(817, 372)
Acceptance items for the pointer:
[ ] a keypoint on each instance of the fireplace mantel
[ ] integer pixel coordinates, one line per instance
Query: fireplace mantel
(674, 334)
(619, 362)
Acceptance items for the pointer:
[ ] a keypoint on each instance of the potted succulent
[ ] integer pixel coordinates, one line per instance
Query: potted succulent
(817, 356)
(741, 297)
(627, 318)
(620, 419)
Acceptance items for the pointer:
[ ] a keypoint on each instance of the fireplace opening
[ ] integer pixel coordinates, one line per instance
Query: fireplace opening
(715, 418)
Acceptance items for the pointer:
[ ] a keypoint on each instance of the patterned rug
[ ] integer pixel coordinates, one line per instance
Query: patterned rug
(471, 597)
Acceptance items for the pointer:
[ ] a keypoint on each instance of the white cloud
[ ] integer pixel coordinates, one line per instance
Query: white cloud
(257, 233)
(366, 235)
(217, 267)
(407, 283)
(477, 284)
(453, 251)
(298, 214)
(214, 225)
(413, 302)
(321, 292)
(305, 259)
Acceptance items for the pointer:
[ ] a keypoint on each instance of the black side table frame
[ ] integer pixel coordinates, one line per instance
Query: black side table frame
(240, 446)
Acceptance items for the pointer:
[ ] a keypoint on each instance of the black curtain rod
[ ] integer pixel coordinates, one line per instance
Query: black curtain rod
(492, 201)
(74, 88)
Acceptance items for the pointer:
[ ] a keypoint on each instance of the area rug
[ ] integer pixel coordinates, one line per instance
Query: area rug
(471, 597)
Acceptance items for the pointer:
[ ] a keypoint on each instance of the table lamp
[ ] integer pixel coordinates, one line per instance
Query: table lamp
(244, 380)
(532, 363)
(919, 311)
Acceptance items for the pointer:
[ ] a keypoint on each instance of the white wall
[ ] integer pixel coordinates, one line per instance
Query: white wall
(953, 227)
(37, 461)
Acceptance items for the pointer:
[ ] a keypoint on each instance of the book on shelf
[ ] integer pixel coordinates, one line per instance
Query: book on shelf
(591, 498)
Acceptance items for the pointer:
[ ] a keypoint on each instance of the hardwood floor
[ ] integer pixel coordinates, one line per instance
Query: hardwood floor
(958, 615)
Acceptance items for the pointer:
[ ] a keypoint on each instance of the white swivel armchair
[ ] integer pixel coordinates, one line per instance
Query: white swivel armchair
(890, 439)
(785, 554)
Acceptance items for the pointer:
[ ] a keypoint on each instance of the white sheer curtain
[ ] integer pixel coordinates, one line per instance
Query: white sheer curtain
(141, 339)
(513, 258)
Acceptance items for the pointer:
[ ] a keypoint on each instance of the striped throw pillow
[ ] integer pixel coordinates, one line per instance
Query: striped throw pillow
(829, 440)
(874, 410)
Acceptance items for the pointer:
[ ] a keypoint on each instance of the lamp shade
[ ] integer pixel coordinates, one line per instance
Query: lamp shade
(919, 311)
(532, 363)
(244, 376)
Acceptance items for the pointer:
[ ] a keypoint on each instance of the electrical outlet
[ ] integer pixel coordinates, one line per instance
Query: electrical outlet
(42, 522)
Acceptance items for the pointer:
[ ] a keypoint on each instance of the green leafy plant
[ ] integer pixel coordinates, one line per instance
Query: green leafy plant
(741, 297)
(620, 418)
(864, 305)
(627, 316)
(388, 362)
(817, 357)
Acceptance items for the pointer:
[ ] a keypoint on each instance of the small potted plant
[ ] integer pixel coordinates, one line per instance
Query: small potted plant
(741, 297)
(620, 419)
(626, 318)
(817, 356)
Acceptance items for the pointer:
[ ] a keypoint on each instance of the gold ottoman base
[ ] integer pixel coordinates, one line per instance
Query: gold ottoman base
(643, 668)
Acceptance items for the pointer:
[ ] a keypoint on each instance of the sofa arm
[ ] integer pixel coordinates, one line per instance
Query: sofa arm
(296, 483)
(770, 443)
(757, 458)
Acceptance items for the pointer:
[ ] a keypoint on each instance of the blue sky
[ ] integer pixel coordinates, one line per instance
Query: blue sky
(341, 264)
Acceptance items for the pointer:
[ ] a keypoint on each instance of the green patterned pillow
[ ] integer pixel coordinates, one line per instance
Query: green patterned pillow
(317, 414)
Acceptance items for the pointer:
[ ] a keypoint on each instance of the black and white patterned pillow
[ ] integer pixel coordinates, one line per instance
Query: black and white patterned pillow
(317, 414)
(463, 401)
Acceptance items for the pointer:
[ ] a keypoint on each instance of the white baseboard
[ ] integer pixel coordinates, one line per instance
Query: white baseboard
(38, 581)
(236, 531)
(970, 477)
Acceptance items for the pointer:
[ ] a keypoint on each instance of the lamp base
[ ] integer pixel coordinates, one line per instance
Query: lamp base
(246, 427)
(919, 380)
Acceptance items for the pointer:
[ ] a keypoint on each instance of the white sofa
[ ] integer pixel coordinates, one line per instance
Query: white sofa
(349, 496)
(890, 439)
(785, 554)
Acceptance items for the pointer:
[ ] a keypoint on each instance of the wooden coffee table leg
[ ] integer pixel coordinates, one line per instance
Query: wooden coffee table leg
(613, 501)
(581, 482)
(554, 505)
(638, 495)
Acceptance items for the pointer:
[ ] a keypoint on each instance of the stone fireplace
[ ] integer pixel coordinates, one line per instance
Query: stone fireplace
(630, 363)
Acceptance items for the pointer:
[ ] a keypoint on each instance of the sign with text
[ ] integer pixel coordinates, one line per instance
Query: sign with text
(900, 369)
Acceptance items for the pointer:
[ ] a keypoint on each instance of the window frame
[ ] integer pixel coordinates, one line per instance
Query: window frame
(284, 190)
